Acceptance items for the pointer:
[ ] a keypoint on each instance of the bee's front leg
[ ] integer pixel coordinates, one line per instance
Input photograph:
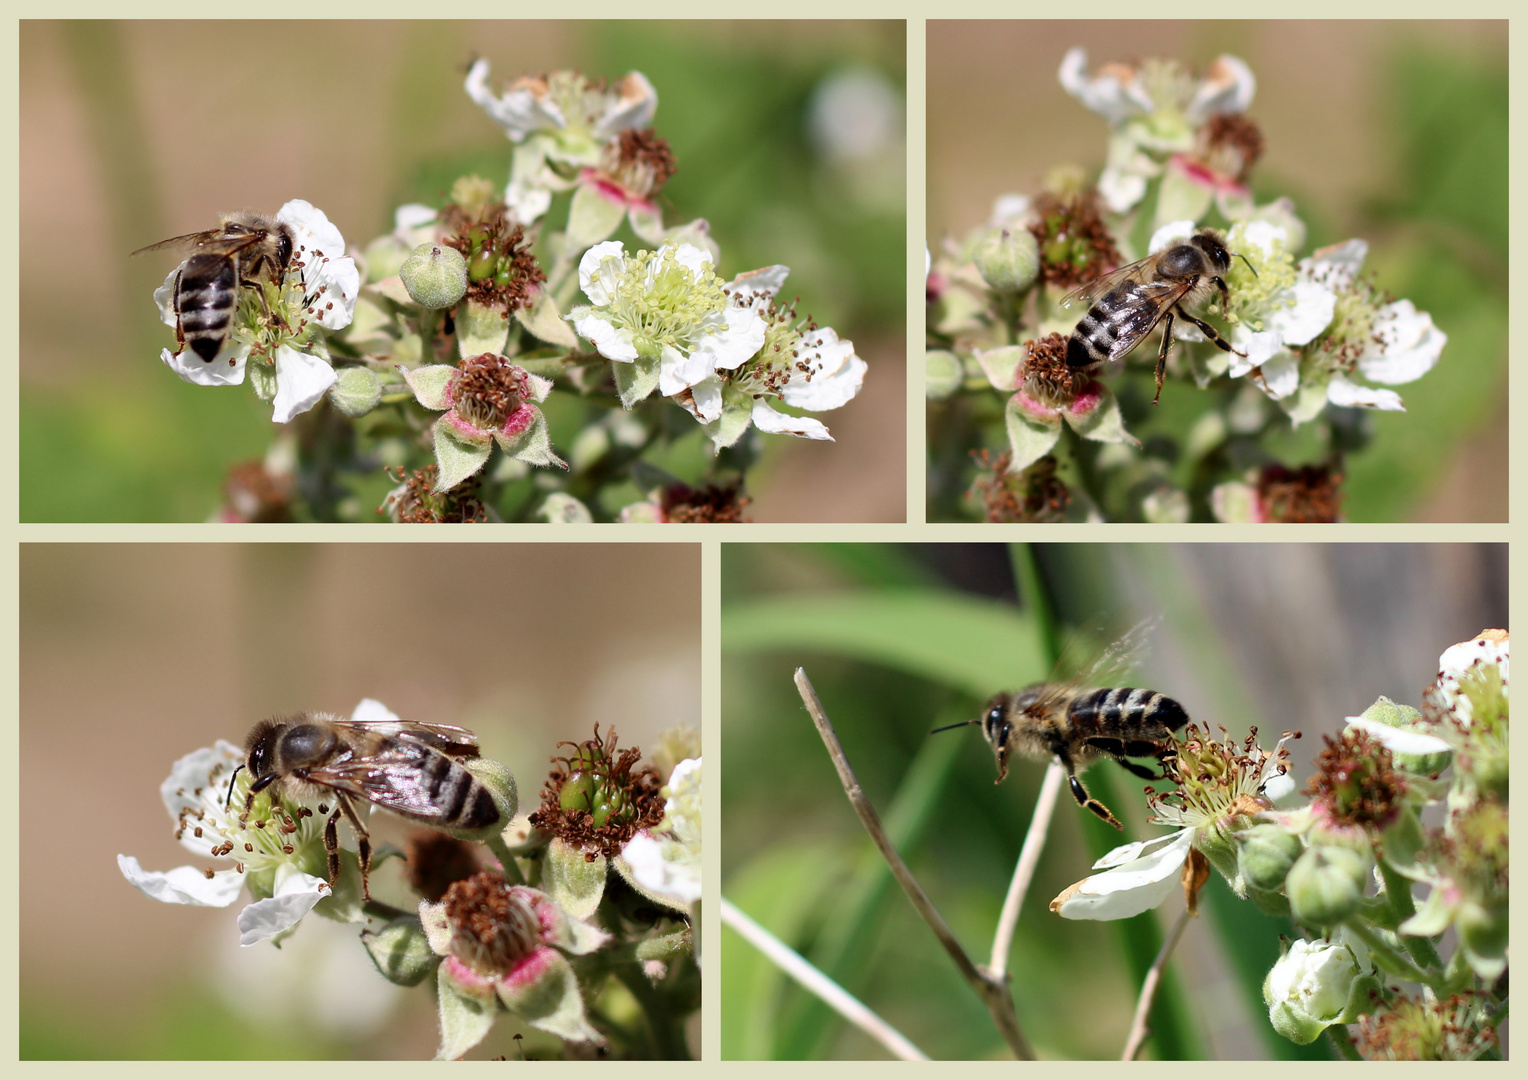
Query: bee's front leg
(363, 844)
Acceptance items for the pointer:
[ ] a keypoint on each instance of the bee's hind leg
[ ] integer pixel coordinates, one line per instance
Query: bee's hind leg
(1087, 801)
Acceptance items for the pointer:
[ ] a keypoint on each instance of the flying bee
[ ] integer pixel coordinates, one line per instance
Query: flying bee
(1072, 720)
(415, 770)
(1127, 303)
(222, 261)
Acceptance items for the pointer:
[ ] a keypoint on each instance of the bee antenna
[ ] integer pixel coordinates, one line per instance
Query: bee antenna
(952, 727)
(231, 779)
(1246, 260)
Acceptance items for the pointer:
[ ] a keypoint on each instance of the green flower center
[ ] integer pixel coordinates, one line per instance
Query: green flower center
(664, 303)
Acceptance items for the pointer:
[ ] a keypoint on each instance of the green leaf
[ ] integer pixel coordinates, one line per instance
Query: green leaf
(963, 642)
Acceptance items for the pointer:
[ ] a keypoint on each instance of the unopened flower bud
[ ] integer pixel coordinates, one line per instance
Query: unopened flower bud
(435, 275)
(356, 392)
(1326, 884)
(942, 374)
(1008, 259)
(1312, 986)
(401, 951)
(1264, 855)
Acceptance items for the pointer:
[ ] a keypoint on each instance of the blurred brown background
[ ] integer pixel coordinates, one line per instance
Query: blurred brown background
(136, 131)
(134, 655)
(1352, 112)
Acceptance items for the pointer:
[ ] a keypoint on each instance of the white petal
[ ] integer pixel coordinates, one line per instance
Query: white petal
(313, 228)
(1006, 210)
(1310, 313)
(520, 111)
(412, 216)
(676, 371)
(295, 895)
(740, 341)
(164, 298)
(766, 418)
(837, 374)
(184, 884)
(1120, 188)
(1260, 346)
(1336, 266)
(1264, 235)
(372, 711)
(334, 285)
(705, 402)
(301, 380)
(600, 289)
(689, 256)
(1227, 87)
(178, 791)
(765, 281)
(1131, 887)
(1114, 94)
(1398, 739)
(632, 106)
(1340, 391)
(226, 369)
(678, 881)
(609, 342)
(1170, 233)
(526, 202)
(1281, 376)
(1411, 345)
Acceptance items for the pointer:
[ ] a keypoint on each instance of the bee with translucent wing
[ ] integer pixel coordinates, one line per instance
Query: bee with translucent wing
(1077, 718)
(1124, 305)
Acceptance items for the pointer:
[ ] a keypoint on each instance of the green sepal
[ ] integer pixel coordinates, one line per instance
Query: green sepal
(480, 329)
(430, 383)
(551, 1000)
(533, 446)
(465, 1017)
(636, 379)
(665, 946)
(592, 217)
(458, 458)
(545, 322)
(1003, 366)
(574, 882)
(1029, 438)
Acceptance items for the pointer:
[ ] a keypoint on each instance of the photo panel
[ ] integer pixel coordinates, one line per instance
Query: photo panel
(519, 271)
(512, 730)
(1206, 271)
(1308, 747)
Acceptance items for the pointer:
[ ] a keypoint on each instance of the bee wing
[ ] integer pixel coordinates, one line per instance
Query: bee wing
(1081, 298)
(1084, 665)
(455, 741)
(1133, 318)
(212, 241)
(393, 779)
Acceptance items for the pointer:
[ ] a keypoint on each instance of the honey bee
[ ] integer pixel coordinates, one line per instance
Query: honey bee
(223, 260)
(1125, 304)
(413, 769)
(1072, 721)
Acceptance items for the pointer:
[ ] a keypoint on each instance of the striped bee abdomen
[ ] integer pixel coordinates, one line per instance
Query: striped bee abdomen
(456, 796)
(1127, 715)
(1124, 314)
(204, 302)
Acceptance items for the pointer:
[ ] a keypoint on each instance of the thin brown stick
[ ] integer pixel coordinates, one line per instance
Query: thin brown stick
(1138, 1027)
(1024, 871)
(809, 976)
(993, 990)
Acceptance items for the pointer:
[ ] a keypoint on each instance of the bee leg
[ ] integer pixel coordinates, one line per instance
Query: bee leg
(332, 847)
(1211, 333)
(362, 840)
(1167, 341)
(1080, 793)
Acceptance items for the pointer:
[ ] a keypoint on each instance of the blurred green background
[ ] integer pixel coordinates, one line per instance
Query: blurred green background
(134, 655)
(1394, 131)
(899, 640)
(129, 134)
